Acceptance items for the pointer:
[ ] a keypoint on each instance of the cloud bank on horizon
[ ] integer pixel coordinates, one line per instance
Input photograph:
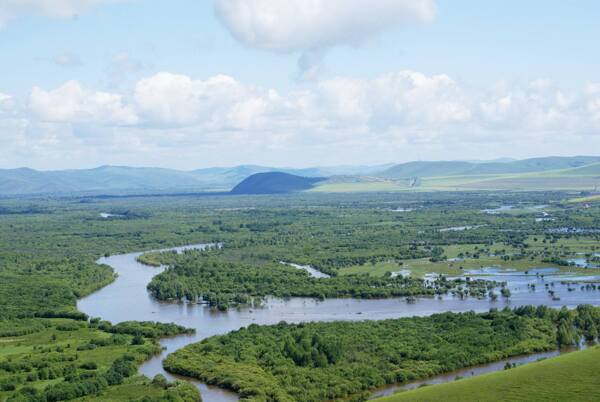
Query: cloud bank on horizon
(399, 111)
(182, 120)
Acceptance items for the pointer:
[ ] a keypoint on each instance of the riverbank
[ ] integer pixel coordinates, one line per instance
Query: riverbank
(570, 377)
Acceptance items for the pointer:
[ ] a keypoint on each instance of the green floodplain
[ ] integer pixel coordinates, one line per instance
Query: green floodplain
(372, 246)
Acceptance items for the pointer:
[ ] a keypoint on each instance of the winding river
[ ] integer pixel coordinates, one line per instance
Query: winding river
(127, 299)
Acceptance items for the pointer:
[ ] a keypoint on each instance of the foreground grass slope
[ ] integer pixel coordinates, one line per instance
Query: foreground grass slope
(571, 377)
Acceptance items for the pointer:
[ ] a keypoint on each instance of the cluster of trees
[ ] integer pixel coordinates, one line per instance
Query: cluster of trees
(311, 350)
(49, 288)
(176, 391)
(200, 276)
(343, 360)
(146, 329)
(339, 360)
(79, 384)
(22, 327)
(60, 358)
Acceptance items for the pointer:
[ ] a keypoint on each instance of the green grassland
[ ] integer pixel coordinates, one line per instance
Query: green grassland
(369, 186)
(591, 198)
(583, 178)
(423, 266)
(571, 377)
(566, 247)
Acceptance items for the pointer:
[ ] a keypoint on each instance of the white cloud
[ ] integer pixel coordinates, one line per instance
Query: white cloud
(217, 103)
(403, 100)
(406, 99)
(310, 24)
(219, 120)
(10, 9)
(73, 103)
(537, 107)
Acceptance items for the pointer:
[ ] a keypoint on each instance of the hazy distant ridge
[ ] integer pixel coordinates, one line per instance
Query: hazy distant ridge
(124, 179)
(132, 180)
(449, 168)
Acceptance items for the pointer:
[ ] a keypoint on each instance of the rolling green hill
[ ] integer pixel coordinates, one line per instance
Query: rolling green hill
(571, 377)
(275, 183)
(427, 169)
(593, 169)
(580, 173)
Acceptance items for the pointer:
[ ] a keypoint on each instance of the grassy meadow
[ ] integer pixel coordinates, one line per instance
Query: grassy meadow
(570, 377)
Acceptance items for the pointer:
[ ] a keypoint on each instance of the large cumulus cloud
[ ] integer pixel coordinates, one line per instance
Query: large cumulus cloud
(310, 24)
(313, 26)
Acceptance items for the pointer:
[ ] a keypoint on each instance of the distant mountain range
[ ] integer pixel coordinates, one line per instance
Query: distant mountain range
(434, 169)
(123, 180)
(135, 180)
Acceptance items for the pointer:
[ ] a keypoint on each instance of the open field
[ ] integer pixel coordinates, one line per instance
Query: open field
(571, 377)
(460, 258)
(592, 198)
(584, 178)
(375, 186)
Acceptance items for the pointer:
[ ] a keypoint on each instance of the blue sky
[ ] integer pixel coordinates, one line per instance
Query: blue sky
(84, 83)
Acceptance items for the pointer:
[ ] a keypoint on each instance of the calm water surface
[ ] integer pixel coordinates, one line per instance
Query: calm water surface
(127, 299)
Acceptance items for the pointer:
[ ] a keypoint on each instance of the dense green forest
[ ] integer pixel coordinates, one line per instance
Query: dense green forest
(48, 249)
(201, 275)
(334, 361)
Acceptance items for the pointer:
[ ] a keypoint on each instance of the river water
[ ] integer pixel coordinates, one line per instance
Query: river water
(127, 299)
